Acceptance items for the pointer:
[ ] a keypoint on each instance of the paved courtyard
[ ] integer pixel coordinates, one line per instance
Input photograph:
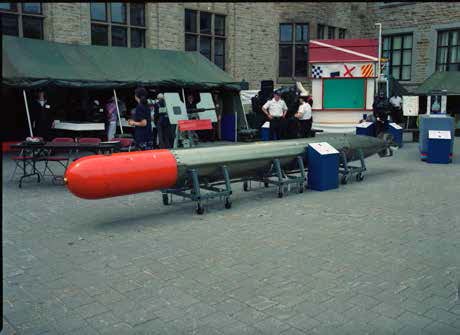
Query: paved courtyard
(377, 257)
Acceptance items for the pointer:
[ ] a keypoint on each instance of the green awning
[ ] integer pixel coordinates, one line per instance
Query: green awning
(31, 63)
(441, 81)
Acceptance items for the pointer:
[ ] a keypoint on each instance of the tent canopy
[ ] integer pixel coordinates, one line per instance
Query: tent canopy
(441, 81)
(32, 63)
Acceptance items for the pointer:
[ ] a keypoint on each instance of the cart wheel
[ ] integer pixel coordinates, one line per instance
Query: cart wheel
(266, 184)
(301, 188)
(165, 200)
(228, 203)
(359, 177)
(199, 209)
(245, 186)
(344, 180)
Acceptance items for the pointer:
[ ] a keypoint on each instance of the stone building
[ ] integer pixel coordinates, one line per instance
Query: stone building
(253, 41)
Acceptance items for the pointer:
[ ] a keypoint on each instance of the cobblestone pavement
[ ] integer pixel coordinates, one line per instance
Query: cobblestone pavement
(377, 257)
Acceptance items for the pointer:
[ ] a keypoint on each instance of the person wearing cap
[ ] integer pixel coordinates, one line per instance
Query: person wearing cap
(141, 121)
(276, 110)
(303, 116)
(380, 108)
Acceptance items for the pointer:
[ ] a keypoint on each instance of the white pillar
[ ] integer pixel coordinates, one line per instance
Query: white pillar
(118, 110)
(27, 112)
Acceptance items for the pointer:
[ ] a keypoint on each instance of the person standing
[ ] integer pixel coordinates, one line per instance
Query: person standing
(165, 129)
(303, 116)
(218, 124)
(151, 104)
(396, 112)
(142, 121)
(276, 110)
(41, 116)
(111, 122)
(112, 116)
(380, 107)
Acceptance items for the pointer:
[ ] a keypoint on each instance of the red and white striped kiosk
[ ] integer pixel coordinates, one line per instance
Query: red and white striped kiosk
(343, 75)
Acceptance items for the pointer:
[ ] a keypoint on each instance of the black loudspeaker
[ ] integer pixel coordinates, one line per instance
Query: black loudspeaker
(266, 90)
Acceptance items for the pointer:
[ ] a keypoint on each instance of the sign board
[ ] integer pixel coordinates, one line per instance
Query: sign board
(410, 105)
(364, 125)
(323, 148)
(185, 125)
(175, 107)
(207, 102)
(395, 125)
(439, 134)
(343, 70)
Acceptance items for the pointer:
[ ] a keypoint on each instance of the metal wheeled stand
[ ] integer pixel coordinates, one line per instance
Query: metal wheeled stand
(281, 177)
(193, 191)
(348, 170)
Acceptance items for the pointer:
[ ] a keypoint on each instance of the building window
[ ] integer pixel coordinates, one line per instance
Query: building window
(342, 33)
(293, 50)
(448, 52)
(22, 19)
(320, 32)
(330, 33)
(398, 50)
(118, 24)
(205, 32)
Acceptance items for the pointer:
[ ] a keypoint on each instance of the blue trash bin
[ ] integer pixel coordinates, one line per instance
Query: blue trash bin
(265, 132)
(439, 144)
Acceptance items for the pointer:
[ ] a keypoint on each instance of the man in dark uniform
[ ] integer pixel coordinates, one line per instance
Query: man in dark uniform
(142, 121)
(41, 116)
(380, 108)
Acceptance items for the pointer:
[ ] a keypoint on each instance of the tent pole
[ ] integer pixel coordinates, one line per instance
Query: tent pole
(27, 111)
(118, 110)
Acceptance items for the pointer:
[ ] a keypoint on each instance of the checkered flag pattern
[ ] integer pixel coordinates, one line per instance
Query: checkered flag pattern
(316, 71)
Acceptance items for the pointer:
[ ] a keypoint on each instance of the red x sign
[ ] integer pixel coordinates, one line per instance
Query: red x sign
(348, 71)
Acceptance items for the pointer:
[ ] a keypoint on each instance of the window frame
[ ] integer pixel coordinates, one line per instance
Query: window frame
(401, 50)
(128, 26)
(19, 13)
(323, 30)
(213, 36)
(293, 44)
(333, 29)
(449, 48)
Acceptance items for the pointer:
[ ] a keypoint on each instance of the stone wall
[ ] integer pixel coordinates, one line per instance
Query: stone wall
(68, 22)
(252, 29)
(423, 19)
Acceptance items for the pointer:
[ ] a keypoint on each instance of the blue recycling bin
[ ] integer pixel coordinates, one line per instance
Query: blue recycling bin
(434, 122)
(265, 132)
(439, 144)
(397, 132)
(365, 128)
(323, 166)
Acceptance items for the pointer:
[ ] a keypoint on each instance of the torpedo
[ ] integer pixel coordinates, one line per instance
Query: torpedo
(118, 174)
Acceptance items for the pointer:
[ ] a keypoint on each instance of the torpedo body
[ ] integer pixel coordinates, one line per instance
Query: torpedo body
(100, 176)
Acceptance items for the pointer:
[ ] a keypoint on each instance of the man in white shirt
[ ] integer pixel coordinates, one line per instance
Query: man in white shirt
(396, 112)
(304, 118)
(275, 110)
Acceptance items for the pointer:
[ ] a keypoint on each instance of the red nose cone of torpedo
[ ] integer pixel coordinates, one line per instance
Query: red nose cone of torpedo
(97, 177)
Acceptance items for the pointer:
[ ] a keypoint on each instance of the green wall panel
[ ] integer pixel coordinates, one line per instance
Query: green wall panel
(344, 93)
